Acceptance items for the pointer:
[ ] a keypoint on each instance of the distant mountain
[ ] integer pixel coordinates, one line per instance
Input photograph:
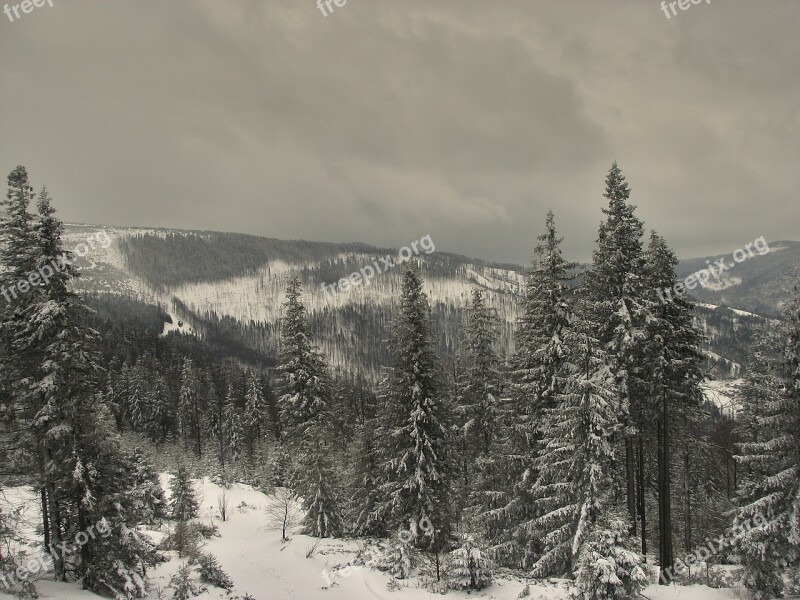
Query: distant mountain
(757, 284)
(230, 287)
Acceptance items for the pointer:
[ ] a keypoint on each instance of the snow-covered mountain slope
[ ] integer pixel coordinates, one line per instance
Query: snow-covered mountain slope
(754, 283)
(250, 550)
(201, 277)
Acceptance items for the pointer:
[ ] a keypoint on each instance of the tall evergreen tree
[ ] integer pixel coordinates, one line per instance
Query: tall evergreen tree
(83, 475)
(478, 405)
(256, 413)
(767, 522)
(574, 464)
(480, 389)
(539, 357)
(17, 262)
(233, 426)
(416, 486)
(190, 413)
(367, 493)
(617, 288)
(304, 404)
(183, 503)
(673, 371)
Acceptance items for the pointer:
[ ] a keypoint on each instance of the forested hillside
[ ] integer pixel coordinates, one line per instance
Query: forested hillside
(551, 422)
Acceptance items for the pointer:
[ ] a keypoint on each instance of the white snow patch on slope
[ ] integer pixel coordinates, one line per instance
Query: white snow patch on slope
(260, 563)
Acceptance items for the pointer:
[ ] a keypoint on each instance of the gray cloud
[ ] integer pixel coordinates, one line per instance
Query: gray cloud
(386, 121)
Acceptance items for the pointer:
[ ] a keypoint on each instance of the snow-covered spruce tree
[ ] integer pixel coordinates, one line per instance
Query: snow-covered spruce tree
(479, 390)
(607, 569)
(234, 428)
(147, 500)
(84, 475)
(115, 564)
(306, 389)
(767, 523)
(470, 567)
(617, 288)
(575, 461)
(256, 414)
(673, 372)
(415, 484)
(366, 495)
(190, 415)
(398, 559)
(211, 571)
(17, 261)
(18, 253)
(538, 358)
(183, 503)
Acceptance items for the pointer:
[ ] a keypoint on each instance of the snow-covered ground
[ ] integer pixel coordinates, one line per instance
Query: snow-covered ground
(260, 564)
(723, 394)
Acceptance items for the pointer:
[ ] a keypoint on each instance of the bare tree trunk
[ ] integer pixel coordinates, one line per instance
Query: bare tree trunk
(687, 504)
(641, 494)
(45, 519)
(630, 475)
(666, 556)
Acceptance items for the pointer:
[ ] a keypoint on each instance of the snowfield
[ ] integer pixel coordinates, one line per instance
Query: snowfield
(263, 566)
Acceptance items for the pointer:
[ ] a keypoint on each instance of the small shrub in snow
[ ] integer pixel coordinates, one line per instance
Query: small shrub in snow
(207, 531)
(184, 539)
(470, 568)
(607, 570)
(211, 572)
(183, 586)
(312, 549)
(398, 560)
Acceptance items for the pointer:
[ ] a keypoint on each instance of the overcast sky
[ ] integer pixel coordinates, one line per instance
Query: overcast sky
(386, 121)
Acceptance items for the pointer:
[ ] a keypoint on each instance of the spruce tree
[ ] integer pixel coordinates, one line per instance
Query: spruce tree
(575, 463)
(481, 387)
(256, 413)
(83, 474)
(234, 427)
(767, 521)
(674, 376)
(183, 503)
(617, 288)
(539, 357)
(147, 499)
(416, 484)
(190, 413)
(17, 262)
(304, 405)
(366, 495)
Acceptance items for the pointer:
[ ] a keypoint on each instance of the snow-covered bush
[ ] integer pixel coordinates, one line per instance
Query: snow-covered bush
(207, 531)
(398, 560)
(184, 539)
(607, 569)
(471, 568)
(183, 586)
(211, 571)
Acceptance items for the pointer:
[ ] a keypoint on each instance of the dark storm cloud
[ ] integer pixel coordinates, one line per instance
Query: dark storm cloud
(386, 121)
